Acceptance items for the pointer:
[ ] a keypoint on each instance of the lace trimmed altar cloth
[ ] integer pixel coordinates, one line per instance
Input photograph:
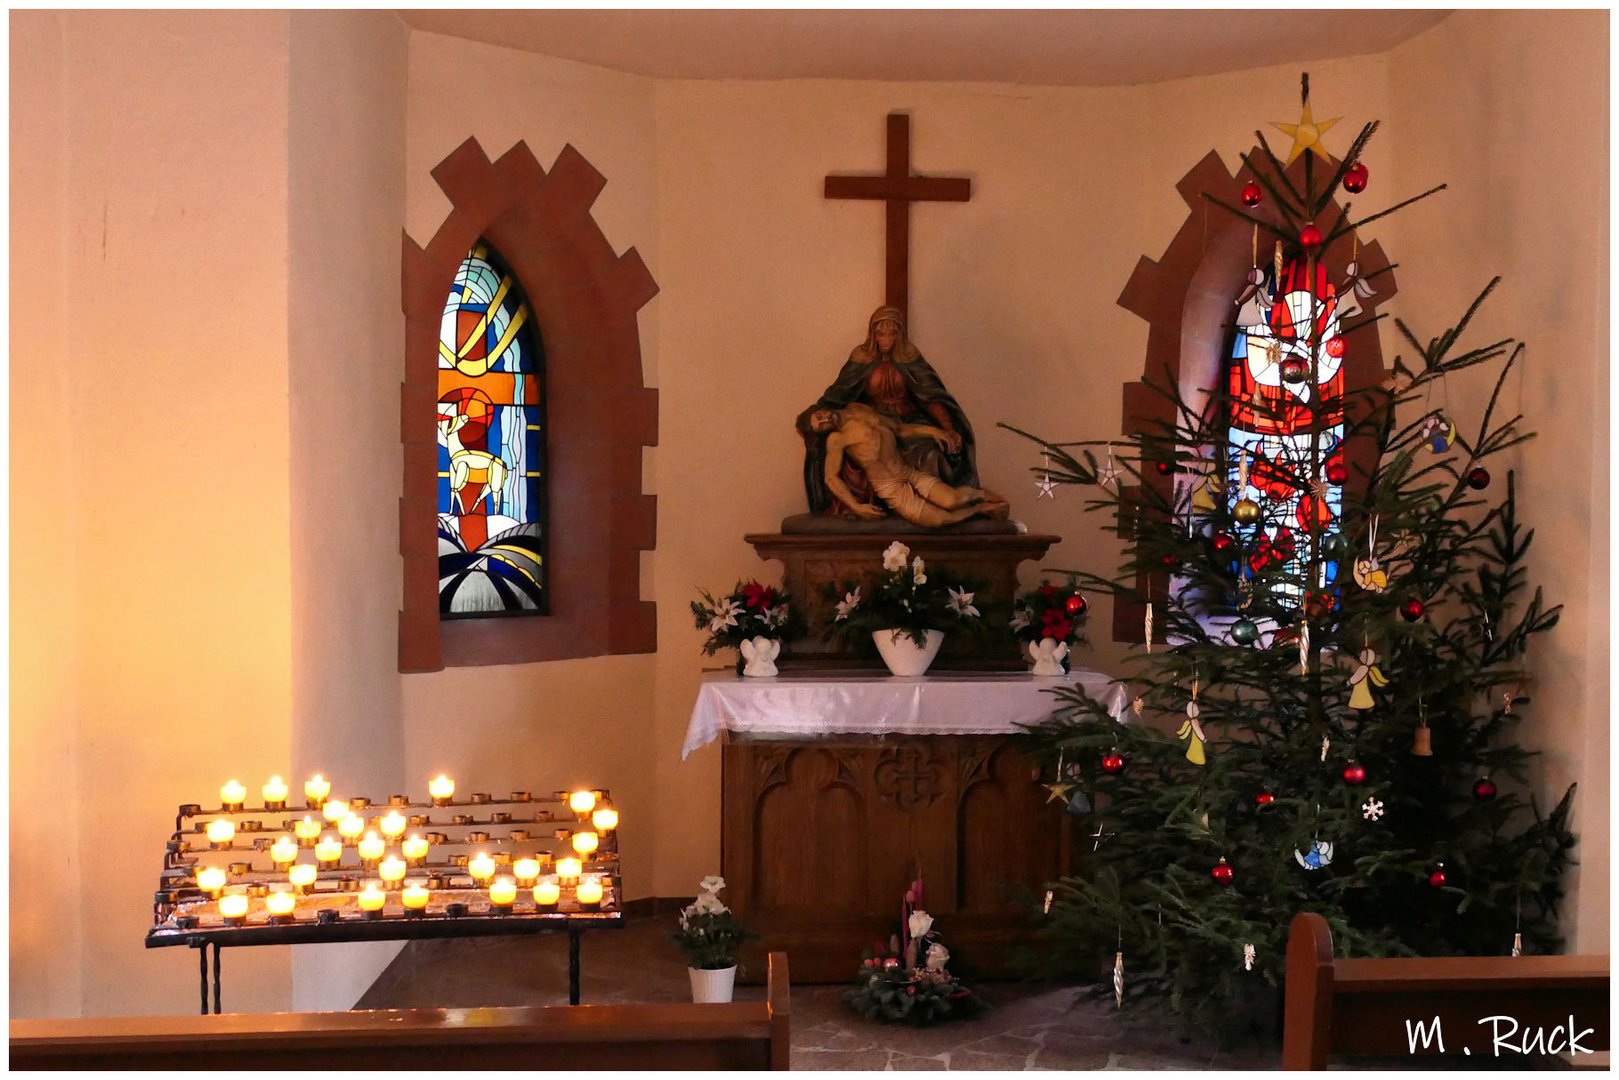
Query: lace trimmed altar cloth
(940, 703)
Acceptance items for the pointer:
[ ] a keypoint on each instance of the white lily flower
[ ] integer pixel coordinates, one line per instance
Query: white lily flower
(725, 613)
(847, 605)
(713, 883)
(961, 602)
(775, 616)
(1020, 618)
(920, 923)
(895, 557)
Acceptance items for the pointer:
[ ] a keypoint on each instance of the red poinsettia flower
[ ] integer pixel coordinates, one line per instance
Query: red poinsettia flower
(755, 595)
(1056, 625)
(1048, 590)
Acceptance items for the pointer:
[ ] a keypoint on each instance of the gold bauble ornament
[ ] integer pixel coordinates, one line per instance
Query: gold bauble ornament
(1246, 511)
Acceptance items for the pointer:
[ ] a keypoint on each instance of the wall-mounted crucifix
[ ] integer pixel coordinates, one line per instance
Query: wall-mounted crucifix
(899, 188)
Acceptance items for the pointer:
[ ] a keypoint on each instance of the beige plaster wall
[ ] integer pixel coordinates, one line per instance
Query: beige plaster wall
(767, 286)
(46, 944)
(346, 198)
(577, 722)
(1510, 107)
(163, 666)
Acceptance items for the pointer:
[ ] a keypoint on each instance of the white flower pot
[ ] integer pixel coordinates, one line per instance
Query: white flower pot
(902, 654)
(1047, 656)
(712, 984)
(760, 655)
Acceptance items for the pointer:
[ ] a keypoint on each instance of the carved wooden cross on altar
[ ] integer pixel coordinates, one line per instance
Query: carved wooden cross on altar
(899, 188)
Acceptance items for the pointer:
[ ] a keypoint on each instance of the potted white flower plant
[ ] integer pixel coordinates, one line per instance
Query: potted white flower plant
(710, 936)
(907, 612)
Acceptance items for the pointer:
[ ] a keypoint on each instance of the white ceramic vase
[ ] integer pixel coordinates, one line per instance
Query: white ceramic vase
(1047, 655)
(760, 655)
(712, 984)
(903, 655)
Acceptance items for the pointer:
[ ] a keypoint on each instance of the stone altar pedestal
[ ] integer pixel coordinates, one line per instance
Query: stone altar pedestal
(987, 552)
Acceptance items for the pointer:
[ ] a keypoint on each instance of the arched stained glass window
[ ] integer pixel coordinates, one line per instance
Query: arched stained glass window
(491, 436)
(1286, 415)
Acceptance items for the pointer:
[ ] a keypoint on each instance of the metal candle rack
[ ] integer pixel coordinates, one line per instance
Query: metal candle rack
(511, 829)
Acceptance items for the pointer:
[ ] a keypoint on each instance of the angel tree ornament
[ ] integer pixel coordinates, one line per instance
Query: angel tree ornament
(1317, 858)
(1365, 676)
(1192, 730)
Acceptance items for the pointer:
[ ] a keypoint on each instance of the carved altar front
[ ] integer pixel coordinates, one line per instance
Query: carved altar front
(838, 789)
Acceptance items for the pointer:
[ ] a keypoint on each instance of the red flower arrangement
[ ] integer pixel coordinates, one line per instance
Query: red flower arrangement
(1050, 613)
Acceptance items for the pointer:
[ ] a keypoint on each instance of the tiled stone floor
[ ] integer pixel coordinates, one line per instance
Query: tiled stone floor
(1027, 1027)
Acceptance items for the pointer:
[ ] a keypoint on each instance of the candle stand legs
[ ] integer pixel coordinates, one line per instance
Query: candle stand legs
(202, 963)
(573, 967)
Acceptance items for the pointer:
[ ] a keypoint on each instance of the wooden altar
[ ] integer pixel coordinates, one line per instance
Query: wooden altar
(822, 830)
(987, 553)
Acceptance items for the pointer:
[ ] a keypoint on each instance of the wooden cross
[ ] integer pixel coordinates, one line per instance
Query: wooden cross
(899, 188)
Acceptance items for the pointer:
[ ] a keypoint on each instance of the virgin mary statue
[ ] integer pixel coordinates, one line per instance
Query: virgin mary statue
(889, 374)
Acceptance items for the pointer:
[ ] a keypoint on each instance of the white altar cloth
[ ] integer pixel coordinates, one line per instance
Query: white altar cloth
(946, 703)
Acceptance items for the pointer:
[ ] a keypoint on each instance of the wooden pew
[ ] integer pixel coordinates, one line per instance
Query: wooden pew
(739, 1035)
(1369, 1007)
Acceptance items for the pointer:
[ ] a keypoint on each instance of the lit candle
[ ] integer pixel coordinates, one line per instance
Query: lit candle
(335, 810)
(316, 789)
(526, 870)
(585, 842)
(232, 795)
(481, 866)
(275, 794)
(307, 831)
(568, 868)
(283, 851)
(280, 904)
(233, 908)
(582, 802)
(372, 898)
(503, 892)
(372, 847)
(351, 828)
(589, 892)
(392, 871)
(302, 876)
(441, 788)
(393, 824)
(415, 849)
(547, 893)
(221, 832)
(605, 819)
(329, 850)
(414, 897)
(211, 880)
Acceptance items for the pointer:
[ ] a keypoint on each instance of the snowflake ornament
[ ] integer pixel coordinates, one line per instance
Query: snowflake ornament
(1371, 810)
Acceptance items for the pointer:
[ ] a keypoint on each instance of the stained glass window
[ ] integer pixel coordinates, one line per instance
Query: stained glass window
(1286, 415)
(491, 436)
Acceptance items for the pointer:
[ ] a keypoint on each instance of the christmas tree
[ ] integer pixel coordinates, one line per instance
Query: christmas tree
(1332, 655)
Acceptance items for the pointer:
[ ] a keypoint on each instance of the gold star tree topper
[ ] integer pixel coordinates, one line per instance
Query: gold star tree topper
(1306, 135)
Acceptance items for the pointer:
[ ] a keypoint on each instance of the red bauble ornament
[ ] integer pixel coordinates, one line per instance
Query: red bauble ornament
(1075, 605)
(1412, 610)
(1264, 798)
(1355, 178)
(1310, 236)
(1294, 370)
(1335, 346)
(1437, 879)
(1479, 478)
(1164, 468)
(1484, 789)
(1112, 763)
(1354, 774)
(1337, 472)
(1222, 542)
(1222, 873)
(1252, 194)
(1170, 560)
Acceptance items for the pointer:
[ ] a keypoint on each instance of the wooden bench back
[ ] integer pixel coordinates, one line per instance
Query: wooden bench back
(739, 1035)
(1367, 1007)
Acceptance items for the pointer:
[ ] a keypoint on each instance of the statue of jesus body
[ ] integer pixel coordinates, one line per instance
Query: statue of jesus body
(872, 440)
